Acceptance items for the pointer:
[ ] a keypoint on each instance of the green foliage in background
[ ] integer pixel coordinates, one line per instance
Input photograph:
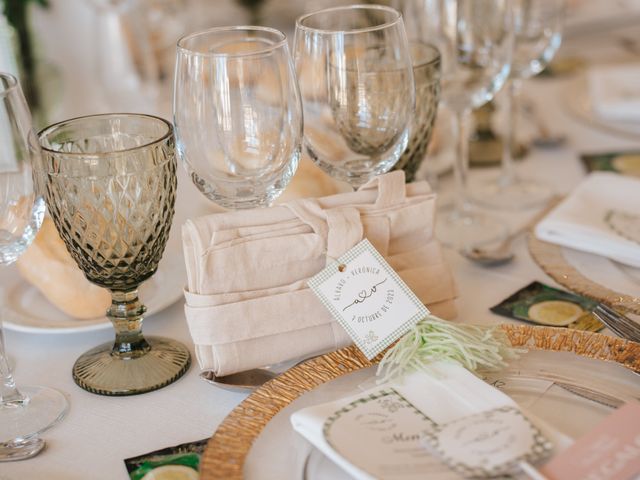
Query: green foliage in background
(17, 14)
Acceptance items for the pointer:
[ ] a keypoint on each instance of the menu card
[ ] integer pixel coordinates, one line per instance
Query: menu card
(611, 451)
(385, 432)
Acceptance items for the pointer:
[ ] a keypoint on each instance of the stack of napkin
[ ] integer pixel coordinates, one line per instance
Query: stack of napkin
(581, 220)
(247, 300)
(615, 92)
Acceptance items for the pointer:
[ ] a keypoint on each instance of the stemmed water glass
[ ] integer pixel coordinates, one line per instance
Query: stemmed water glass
(110, 185)
(237, 114)
(355, 73)
(27, 411)
(476, 41)
(538, 34)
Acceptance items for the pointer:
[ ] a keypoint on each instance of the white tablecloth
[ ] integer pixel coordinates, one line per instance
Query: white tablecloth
(99, 432)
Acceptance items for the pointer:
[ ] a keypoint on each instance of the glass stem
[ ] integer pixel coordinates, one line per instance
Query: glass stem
(510, 142)
(10, 396)
(461, 165)
(126, 314)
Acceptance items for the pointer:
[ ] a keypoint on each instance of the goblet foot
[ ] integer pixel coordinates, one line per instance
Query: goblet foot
(518, 194)
(104, 372)
(21, 449)
(464, 230)
(42, 408)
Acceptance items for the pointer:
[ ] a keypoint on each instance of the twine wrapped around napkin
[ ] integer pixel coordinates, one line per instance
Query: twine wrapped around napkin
(247, 300)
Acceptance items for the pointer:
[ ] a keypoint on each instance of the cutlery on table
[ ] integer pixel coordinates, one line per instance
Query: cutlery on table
(618, 323)
(503, 251)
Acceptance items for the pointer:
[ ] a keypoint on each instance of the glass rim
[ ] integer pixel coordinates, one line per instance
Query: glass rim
(437, 56)
(236, 28)
(13, 84)
(55, 126)
(374, 28)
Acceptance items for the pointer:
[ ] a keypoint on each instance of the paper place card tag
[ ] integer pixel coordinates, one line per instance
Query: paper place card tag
(611, 451)
(488, 444)
(368, 298)
(382, 434)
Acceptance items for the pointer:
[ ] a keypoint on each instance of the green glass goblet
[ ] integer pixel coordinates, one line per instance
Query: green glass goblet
(110, 187)
(426, 75)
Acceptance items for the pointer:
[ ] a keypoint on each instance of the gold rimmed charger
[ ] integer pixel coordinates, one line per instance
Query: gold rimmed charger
(226, 451)
(551, 259)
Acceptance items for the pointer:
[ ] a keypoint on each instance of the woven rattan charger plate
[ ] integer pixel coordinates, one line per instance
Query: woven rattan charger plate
(226, 451)
(551, 259)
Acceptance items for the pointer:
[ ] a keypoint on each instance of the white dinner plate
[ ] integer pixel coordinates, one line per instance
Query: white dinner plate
(25, 309)
(577, 100)
(616, 276)
(570, 392)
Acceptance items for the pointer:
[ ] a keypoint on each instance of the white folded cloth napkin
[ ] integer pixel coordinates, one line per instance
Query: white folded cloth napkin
(615, 92)
(445, 392)
(579, 222)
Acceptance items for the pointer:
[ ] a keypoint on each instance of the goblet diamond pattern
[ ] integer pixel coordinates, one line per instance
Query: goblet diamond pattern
(110, 185)
(116, 228)
(426, 75)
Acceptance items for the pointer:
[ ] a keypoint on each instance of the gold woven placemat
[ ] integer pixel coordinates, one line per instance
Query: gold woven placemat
(226, 451)
(550, 258)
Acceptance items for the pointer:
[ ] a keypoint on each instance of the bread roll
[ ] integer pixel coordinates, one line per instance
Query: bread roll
(48, 266)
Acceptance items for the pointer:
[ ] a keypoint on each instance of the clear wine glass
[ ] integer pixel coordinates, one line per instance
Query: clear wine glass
(538, 34)
(110, 185)
(237, 114)
(476, 40)
(355, 73)
(27, 411)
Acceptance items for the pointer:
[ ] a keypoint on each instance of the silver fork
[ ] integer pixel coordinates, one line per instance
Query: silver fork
(618, 323)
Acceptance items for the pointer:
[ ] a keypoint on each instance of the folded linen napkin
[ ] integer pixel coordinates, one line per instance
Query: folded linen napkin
(615, 92)
(580, 221)
(444, 393)
(247, 301)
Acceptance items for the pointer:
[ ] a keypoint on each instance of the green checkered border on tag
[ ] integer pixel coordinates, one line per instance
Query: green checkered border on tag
(328, 272)
(328, 423)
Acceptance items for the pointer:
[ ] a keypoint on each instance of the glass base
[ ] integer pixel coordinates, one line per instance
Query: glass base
(21, 421)
(520, 194)
(465, 230)
(102, 372)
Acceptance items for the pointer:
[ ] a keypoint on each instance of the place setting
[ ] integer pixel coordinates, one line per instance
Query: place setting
(604, 97)
(332, 314)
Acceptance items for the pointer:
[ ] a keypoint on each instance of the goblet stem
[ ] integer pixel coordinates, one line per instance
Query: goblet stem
(508, 174)
(126, 314)
(461, 166)
(10, 396)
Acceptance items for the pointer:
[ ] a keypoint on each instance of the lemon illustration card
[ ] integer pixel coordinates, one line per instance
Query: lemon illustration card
(544, 305)
(179, 462)
(626, 163)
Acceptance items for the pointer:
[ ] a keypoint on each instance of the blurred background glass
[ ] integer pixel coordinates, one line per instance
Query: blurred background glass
(537, 38)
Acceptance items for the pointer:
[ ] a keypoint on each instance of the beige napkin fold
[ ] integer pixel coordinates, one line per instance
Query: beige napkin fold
(247, 301)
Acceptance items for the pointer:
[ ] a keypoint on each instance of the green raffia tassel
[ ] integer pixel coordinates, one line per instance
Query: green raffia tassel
(433, 339)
